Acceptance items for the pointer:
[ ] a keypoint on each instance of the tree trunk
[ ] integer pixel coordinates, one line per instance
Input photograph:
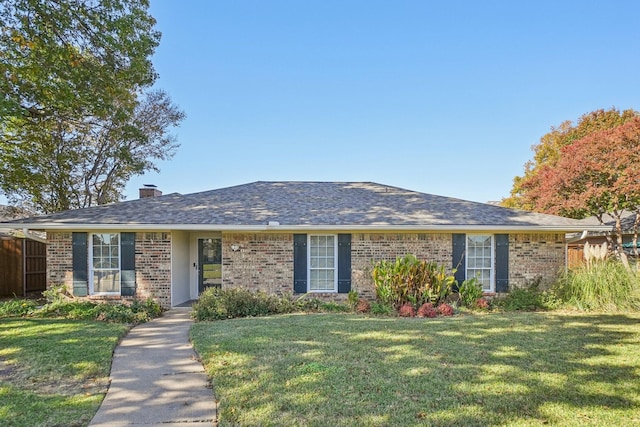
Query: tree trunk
(619, 247)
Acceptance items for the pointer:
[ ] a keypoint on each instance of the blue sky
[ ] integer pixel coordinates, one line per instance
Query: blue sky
(441, 97)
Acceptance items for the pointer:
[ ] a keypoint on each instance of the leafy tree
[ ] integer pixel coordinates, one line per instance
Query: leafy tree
(594, 175)
(64, 163)
(548, 151)
(78, 119)
(80, 56)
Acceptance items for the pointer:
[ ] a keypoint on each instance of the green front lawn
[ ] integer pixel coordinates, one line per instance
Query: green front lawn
(496, 369)
(54, 372)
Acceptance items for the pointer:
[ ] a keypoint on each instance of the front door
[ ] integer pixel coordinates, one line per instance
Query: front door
(209, 263)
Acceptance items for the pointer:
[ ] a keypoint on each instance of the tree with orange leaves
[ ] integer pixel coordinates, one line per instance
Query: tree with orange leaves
(548, 151)
(595, 175)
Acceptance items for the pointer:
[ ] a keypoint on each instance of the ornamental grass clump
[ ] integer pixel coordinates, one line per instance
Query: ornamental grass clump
(410, 280)
(604, 286)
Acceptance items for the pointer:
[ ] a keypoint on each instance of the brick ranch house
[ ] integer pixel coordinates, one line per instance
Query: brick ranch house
(291, 237)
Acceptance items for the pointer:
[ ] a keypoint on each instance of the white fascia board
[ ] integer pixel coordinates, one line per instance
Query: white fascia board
(362, 228)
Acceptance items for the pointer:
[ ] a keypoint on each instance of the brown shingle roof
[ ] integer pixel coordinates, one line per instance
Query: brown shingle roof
(304, 204)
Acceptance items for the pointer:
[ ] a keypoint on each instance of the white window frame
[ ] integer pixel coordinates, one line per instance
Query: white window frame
(492, 278)
(335, 264)
(92, 268)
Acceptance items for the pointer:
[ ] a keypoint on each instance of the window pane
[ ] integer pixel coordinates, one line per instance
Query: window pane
(106, 281)
(322, 263)
(106, 262)
(480, 259)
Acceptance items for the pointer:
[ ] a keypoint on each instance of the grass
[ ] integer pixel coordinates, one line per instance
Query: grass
(604, 286)
(54, 372)
(495, 369)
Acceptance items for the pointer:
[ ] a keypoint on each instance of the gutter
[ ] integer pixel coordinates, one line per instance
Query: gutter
(31, 236)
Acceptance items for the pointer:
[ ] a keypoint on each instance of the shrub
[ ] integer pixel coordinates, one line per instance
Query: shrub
(56, 293)
(406, 310)
(529, 298)
(352, 298)
(79, 310)
(482, 304)
(606, 285)
(148, 307)
(381, 308)
(332, 307)
(17, 307)
(363, 306)
(409, 280)
(137, 312)
(470, 291)
(445, 309)
(217, 304)
(427, 310)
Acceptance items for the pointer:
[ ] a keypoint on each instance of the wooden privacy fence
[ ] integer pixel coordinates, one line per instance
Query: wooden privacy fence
(23, 266)
(575, 256)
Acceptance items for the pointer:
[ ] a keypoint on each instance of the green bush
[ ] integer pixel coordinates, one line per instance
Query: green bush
(137, 312)
(56, 293)
(410, 280)
(470, 292)
(381, 308)
(335, 307)
(603, 286)
(218, 304)
(529, 298)
(17, 307)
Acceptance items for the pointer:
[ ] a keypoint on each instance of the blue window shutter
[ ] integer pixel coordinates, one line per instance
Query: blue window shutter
(457, 260)
(300, 263)
(128, 264)
(502, 262)
(344, 263)
(79, 263)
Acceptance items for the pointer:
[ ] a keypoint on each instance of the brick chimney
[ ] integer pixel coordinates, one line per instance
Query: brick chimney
(149, 190)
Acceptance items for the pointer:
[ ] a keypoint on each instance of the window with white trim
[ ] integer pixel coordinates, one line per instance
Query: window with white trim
(480, 260)
(322, 262)
(105, 263)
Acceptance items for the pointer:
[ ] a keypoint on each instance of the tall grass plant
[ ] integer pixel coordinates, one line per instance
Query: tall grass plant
(603, 286)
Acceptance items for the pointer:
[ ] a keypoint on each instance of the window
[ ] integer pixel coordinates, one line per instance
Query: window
(480, 260)
(105, 263)
(322, 263)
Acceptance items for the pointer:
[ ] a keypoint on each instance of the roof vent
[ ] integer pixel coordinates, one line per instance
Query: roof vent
(149, 190)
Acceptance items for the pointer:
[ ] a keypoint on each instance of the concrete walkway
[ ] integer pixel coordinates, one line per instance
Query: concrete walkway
(156, 378)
